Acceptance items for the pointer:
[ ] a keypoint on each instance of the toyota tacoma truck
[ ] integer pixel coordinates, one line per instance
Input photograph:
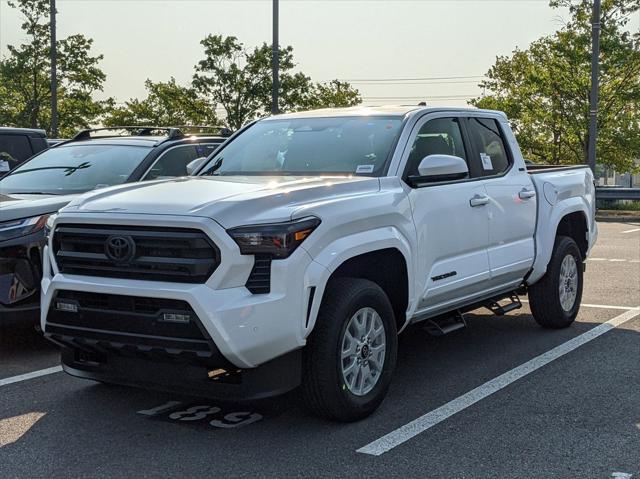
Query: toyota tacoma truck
(304, 245)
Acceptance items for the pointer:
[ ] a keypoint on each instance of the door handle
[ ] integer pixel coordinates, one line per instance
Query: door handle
(479, 200)
(525, 194)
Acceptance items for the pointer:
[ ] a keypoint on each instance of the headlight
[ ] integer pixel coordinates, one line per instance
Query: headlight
(278, 240)
(22, 227)
(48, 225)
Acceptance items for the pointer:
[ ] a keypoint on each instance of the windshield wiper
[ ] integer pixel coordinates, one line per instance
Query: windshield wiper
(32, 193)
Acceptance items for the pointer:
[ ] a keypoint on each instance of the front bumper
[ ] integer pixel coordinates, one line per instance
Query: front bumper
(247, 329)
(20, 276)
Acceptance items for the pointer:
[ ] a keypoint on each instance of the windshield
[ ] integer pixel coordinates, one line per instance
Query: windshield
(309, 146)
(75, 169)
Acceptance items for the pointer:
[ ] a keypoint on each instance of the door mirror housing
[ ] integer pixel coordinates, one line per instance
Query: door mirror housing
(195, 164)
(441, 168)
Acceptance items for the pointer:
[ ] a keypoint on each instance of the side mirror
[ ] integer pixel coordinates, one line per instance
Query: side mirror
(195, 164)
(442, 168)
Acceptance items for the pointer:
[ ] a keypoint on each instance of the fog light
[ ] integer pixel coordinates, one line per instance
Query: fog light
(176, 318)
(68, 307)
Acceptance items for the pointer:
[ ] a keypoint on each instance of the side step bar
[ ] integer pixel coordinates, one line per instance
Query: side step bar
(498, 309)
(441, 325)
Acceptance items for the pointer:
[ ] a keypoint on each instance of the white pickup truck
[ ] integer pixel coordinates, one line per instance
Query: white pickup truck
(304, 245)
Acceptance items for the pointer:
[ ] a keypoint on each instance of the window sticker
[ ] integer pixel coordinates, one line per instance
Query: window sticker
(487, 164)
(365, 168)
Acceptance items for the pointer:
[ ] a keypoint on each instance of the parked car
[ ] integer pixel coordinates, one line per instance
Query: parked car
(55, 141)
(19, 144)
(304, 245)
(93, 159)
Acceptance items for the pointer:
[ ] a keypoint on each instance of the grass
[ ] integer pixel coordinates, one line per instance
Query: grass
(617, 205)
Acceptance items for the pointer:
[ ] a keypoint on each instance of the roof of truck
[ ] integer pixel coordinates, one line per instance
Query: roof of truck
(392, 110)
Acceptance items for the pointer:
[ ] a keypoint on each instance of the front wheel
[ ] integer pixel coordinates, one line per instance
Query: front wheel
(351, 354)
(555, 298)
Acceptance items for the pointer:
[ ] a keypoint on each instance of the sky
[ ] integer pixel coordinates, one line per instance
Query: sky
(452, 43)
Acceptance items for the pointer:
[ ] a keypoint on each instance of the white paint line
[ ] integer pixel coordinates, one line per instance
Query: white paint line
(630, 231)
(27, 376)
(608, 306)
(617, 260)
(421, 424)
(597, 259)
(634, 261)
(601, 306)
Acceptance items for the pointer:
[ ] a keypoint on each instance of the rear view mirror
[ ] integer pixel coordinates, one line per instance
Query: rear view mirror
(195, 164)
(442, 168)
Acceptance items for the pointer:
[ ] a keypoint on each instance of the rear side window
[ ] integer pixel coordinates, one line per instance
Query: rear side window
(487, 138)
(14, 149)
(205, 149)
(440, 136)
(173, 162)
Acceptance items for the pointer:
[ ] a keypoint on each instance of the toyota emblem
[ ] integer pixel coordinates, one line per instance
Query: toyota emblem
(120, 249)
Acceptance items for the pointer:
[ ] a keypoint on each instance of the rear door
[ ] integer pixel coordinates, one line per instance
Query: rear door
(451, 219)
(512, 207)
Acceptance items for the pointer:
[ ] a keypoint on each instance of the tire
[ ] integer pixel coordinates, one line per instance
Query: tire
(327, 390)
(545, 297)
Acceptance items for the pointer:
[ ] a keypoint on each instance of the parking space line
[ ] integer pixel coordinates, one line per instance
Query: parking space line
(432, 418)
(601, 306)
(630, 231)
(31, 375)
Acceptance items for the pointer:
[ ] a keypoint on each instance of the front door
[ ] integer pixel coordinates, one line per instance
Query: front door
(451, 220)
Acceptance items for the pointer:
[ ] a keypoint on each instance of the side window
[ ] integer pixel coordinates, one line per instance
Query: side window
(14, 149)
(441, 136)
(205, 149)
(173, 162)
(487, 138)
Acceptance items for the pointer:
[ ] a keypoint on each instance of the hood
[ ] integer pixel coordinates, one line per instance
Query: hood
(14, 207)
(230, 200)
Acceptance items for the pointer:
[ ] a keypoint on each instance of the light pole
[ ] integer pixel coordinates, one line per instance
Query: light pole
(595, 70)
(275, 59)
(54, 72)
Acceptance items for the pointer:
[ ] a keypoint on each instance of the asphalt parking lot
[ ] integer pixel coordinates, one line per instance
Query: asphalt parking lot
(501, 398)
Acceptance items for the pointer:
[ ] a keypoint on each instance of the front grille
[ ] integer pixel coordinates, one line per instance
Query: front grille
(129, 325)
(160, 254)
(259, 281)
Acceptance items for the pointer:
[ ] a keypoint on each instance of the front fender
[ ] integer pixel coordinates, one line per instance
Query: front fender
(328, 260)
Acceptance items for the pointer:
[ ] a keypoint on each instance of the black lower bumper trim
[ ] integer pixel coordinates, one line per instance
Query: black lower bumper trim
(271, 379)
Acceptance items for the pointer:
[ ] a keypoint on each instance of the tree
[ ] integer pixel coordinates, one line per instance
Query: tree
(167, 104)
(240, 81)
(25, 95)
(545, 89)
(332, 94)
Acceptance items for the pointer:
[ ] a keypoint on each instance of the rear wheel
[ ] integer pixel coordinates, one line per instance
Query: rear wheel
(351, 355)
(555, 299)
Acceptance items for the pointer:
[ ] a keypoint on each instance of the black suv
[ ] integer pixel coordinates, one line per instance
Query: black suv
(19, 144)
(93, 159)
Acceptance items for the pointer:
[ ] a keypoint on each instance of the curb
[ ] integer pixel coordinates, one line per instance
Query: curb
(620, 217)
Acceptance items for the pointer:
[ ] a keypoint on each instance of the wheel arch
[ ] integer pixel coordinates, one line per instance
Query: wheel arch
(369, 255)
(575, 226)
(572, 219)
(388, 269)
